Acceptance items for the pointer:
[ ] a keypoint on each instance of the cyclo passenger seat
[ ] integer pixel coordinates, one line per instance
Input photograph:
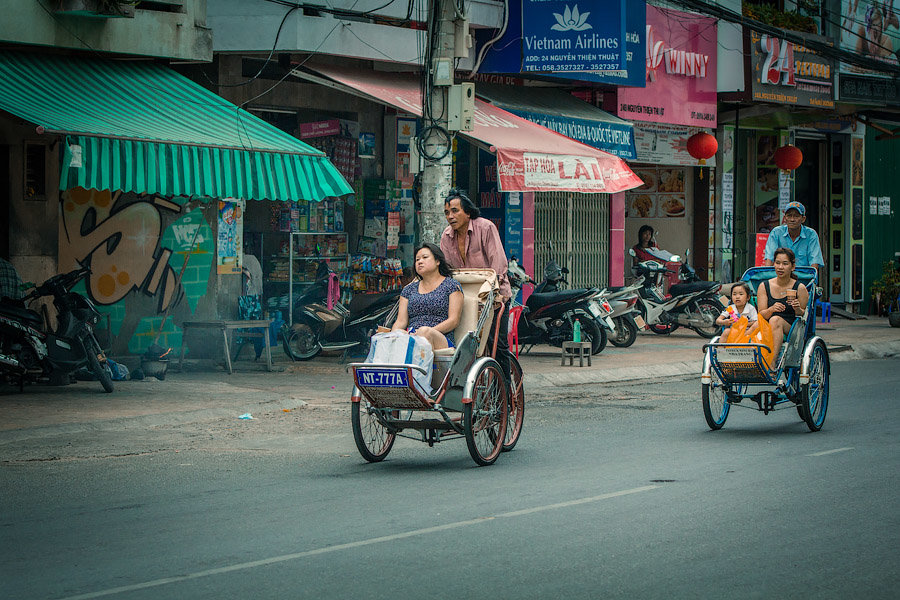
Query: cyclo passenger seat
(476, 285)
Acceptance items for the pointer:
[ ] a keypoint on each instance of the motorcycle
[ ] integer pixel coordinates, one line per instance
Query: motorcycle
(694, 304)
(549, 314)
(316, 328)
(31, 351)
(621, 303)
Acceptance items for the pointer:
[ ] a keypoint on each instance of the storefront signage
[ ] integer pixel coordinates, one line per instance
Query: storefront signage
(615, 138)
(787, 73)
(557, 172)
(559, 36)
(661, 144)
(869, 28)
(320, 129)
(680, 60)
(870, 90)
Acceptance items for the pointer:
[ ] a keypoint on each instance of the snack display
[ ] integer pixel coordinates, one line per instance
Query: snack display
(642, 206)
(671, 206)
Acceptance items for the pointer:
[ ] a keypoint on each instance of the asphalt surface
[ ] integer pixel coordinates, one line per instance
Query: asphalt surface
(614, 491)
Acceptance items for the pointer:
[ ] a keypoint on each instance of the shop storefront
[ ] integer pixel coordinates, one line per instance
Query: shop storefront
(679, 100)
(156, 174)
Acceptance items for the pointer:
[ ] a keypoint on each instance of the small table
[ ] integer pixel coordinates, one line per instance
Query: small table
(226, 326)
(570, 349)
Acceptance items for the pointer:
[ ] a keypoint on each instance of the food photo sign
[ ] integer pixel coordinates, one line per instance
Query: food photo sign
(662, 195)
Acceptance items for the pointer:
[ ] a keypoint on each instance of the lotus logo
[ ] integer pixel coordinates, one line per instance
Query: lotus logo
(571, 20)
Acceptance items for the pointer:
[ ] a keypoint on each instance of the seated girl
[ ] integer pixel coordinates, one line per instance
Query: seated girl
(740, 307)
(782, 299)
(431, 305)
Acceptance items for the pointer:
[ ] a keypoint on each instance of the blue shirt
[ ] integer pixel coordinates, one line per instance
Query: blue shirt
(806, 247)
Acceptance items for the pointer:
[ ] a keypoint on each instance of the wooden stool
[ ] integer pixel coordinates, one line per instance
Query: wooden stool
(569, 350)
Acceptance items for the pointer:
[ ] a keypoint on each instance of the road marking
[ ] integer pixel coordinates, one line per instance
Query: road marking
(824, 452)
(358, 544)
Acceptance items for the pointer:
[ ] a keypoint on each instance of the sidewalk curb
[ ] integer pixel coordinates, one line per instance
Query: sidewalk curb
(594, 376)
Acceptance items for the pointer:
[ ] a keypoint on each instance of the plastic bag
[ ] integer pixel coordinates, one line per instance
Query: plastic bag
(738, 333)
(401, 348)
(763, 335)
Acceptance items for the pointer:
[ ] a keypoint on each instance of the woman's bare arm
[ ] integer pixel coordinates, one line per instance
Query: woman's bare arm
(453, 314)
(402, 321)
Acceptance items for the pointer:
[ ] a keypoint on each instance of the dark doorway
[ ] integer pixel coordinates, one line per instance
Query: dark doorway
(808, 183)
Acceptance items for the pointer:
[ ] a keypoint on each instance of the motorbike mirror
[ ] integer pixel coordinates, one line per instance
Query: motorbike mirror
(675, 258)
(564, 270)
(631, 252)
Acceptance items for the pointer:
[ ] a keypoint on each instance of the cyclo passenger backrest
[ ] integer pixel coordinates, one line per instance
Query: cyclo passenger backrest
(476, 285)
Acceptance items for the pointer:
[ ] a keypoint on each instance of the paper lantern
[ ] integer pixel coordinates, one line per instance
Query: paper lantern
(788, 157)
(702, 146)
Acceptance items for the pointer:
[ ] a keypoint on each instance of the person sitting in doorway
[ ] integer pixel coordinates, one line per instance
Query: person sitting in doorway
(646, 248)
(431, 305)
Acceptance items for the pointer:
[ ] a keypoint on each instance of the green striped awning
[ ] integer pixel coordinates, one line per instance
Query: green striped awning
(141, 127)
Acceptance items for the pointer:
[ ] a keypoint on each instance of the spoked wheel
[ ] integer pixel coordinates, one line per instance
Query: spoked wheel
(95, 355)
(709, 310)
(625, 334)
(484, 418)
(516, 408)
(301, 342)
(814, 395)
(373, 440)
(715, 404)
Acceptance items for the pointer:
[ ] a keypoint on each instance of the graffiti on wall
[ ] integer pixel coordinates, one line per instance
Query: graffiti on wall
(138, 246)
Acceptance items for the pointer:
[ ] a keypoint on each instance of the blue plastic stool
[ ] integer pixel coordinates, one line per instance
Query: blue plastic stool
(825, 307)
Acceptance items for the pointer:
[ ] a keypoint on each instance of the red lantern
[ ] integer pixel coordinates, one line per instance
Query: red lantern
(702, 146)
(788, 157)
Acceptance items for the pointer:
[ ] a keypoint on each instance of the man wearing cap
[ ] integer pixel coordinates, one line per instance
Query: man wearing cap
(794, 235)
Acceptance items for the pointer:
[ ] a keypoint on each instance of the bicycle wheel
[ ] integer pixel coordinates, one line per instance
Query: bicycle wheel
(516, 407)
(715, 404)
(484, 418)
(814, 394)
(373, 440)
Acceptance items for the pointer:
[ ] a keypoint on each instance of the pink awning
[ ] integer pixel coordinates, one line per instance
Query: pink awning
(530, 158)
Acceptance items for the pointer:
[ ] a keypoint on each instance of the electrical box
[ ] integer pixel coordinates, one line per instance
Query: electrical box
(462, 39)
(414, 160)
(461, 107)
(442, 71)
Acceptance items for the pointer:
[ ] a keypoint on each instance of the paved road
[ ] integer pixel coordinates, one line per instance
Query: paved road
(613, 492)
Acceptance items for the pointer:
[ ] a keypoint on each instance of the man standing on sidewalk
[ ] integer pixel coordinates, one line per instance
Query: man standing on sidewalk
(470, 240)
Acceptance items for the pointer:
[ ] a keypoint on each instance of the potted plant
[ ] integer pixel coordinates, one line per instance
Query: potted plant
(885, 290)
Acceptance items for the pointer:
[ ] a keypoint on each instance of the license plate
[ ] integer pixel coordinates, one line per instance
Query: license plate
(594, 309)
(390, 378)
(607, 307)
(739, 354)
(639, 320)
(609, 322)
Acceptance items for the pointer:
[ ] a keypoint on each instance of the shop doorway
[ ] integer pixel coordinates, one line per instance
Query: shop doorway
(576, 227)
(811, 189)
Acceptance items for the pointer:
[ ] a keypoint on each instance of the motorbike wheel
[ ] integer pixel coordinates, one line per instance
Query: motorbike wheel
(625, 334)
(658, 328)
(301, 342)
(591, 331)
(92, 347)
(711, 309)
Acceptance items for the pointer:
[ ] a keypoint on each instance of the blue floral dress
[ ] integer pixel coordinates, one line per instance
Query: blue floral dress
(427, 310)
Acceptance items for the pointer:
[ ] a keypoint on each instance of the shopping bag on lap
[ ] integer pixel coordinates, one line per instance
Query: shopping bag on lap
(738, 333)
(763, 335)
(401, 348)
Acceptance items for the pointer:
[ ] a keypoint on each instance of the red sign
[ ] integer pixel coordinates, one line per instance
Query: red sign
(320, 129)
(761, 239)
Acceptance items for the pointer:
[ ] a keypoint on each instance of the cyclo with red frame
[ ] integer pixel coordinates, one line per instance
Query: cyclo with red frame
(470, 397)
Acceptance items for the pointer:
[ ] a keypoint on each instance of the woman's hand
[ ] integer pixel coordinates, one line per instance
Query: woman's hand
(795, 304)
(777, 308)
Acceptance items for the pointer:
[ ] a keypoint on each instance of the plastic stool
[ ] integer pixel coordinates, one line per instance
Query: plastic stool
(825, 307)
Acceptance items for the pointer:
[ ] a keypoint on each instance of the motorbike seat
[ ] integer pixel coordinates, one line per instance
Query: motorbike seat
(615, 288)
(537, 301)
(360, 303)
(679, 289)
(16, 309)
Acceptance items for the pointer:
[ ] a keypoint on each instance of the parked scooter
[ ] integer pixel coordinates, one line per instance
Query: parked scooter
(695, 304)
(317, 328)
(550, 313)
(30, 351)
(623, 313)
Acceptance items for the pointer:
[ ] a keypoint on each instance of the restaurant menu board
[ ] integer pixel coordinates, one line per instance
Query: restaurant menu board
(661, 196)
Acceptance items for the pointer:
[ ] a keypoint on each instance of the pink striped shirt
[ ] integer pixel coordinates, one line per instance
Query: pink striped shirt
(484, 250)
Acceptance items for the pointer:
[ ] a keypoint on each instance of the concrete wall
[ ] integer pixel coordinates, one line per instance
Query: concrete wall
(176, 35)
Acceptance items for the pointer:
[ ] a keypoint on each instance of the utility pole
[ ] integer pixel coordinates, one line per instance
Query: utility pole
(435, 140)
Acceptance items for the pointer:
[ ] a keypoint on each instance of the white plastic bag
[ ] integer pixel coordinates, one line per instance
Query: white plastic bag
(401, 348)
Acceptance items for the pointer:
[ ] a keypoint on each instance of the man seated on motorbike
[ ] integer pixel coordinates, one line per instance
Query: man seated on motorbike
(431, 305)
